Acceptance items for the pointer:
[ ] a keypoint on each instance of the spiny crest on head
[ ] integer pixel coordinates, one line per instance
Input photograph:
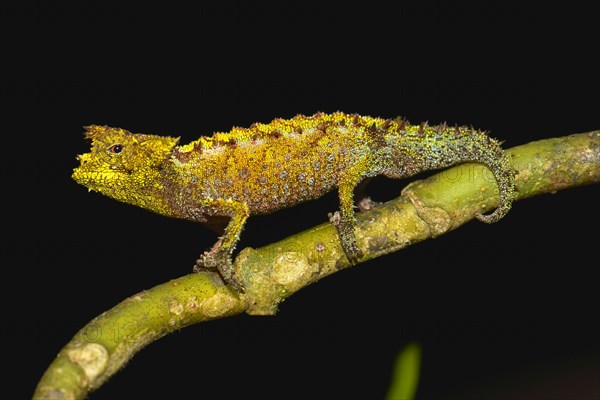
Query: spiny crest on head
(99, 131)
(153, 149)
(104, 133)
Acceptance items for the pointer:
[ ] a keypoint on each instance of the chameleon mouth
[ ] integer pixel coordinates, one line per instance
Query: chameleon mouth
(94, 176)
(95, 180)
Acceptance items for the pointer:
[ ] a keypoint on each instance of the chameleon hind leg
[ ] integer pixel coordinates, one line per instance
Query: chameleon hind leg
(219, 256)
(344, 220)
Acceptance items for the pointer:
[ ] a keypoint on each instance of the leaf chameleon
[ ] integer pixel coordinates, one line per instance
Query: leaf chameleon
(223, 179)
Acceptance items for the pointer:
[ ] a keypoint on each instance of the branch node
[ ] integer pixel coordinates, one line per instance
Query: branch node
(92, 358)
(437, 219)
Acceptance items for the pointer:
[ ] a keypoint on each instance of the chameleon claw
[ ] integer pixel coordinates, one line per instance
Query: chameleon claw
(353, 253)
(210, 261)
(335, 218)
(347, 239)
(366, 204)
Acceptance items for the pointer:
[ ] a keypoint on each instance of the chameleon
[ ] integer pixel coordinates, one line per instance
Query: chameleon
(223, 179)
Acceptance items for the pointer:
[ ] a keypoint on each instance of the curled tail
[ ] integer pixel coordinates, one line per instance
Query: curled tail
(413, 148)
(491, 154)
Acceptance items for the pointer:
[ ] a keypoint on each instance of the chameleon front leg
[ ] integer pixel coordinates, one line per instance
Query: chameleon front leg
(219, 256)
(344, 220)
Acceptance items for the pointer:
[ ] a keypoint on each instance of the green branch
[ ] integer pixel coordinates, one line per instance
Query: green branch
(426, 209)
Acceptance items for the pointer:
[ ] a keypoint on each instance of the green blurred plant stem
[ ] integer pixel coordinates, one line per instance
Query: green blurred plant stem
(405, 377)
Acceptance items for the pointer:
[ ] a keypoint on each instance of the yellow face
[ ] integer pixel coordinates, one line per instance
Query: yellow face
(123, 165)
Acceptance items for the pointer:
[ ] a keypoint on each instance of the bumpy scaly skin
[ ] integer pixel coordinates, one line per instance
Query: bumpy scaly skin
(230, 176)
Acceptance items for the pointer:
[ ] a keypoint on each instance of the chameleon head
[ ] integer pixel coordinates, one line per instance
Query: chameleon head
(123, 165)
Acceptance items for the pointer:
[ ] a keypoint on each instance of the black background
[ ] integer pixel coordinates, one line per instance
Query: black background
(502, 311)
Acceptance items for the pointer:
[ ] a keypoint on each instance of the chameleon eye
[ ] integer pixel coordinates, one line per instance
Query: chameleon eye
(115, 149)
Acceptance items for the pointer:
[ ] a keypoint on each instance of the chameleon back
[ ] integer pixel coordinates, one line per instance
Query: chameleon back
(276, 165)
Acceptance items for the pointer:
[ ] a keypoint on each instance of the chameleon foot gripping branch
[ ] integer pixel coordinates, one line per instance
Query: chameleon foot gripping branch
(267, 167)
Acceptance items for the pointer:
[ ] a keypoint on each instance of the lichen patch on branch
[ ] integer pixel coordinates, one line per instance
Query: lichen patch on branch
(437, 219)
(292, 270)
(218, 305)
(92, 358)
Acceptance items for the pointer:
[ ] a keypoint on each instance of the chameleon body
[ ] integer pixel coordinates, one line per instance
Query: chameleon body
(223, 179)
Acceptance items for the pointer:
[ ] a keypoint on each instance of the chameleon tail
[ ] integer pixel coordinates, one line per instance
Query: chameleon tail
(497, 160)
